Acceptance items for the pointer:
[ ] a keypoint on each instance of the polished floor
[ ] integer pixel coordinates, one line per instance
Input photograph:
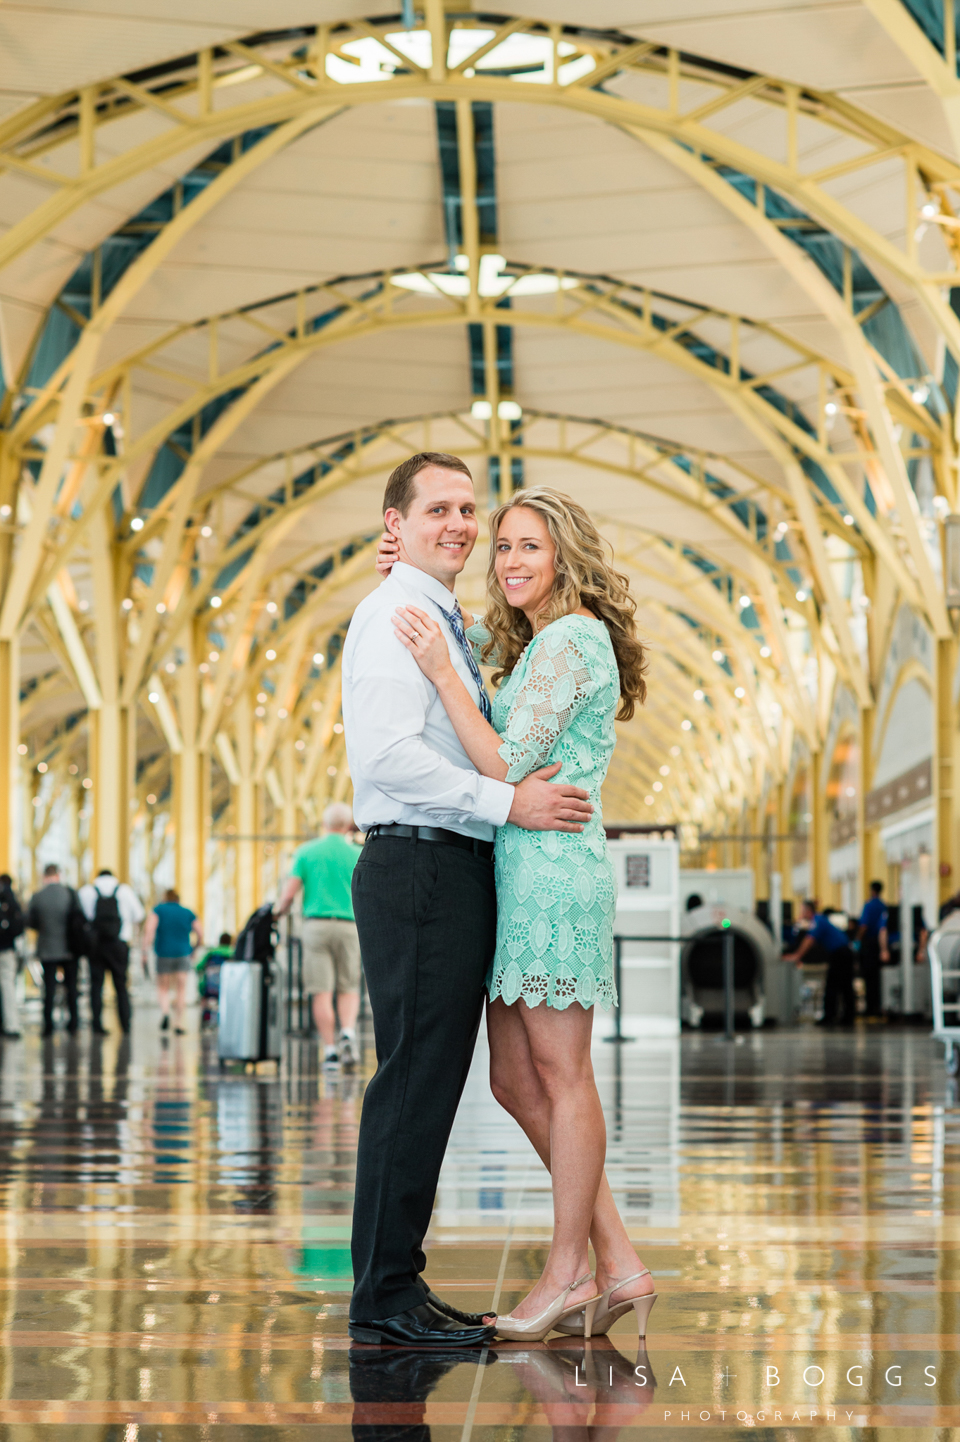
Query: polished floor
(175, 1259)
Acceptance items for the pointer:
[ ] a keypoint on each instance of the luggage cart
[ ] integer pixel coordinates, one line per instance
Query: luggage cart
(943, 950)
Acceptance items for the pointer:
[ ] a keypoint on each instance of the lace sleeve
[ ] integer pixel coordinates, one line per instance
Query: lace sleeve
(478, 636)
(558, 685)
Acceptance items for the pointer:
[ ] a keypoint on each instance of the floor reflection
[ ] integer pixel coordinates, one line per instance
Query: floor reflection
(390, 1386)
(175, 1245)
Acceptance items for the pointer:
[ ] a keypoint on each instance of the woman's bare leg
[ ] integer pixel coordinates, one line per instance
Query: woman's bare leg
(558, 1043)
(180, 998)
(516, 1084)
(163, 993)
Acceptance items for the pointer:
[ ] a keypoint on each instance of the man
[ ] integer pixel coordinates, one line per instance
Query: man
(874, 941)
(11, 926)
(114, 912)
(323, 870)
(824, 940)
(48, 915)
(423, 896)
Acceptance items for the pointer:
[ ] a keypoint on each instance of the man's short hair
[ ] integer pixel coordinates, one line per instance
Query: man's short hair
(811, 901)
(399, 492)
(876, 887)
(338, 817)
(51, 869)
(104, 871)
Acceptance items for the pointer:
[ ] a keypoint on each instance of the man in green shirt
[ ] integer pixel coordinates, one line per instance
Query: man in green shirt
(323, 869)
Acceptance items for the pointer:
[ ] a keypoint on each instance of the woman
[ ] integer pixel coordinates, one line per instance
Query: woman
(173, 931)
(560, 629)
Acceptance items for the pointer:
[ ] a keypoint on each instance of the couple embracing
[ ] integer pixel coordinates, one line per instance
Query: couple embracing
(485, 869)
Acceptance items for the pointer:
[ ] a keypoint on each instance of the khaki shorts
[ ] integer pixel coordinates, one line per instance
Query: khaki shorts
(331, 955)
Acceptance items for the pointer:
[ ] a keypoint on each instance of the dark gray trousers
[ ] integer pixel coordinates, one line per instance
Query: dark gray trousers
(427, 919)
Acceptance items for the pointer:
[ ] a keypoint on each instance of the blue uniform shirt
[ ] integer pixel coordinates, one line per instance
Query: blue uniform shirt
(874, 916)
(825, 934)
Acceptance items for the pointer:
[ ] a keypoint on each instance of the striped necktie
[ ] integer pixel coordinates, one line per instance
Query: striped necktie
(455, 622)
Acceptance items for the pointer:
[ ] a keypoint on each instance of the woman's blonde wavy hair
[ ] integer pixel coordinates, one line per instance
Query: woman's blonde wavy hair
(585, 577)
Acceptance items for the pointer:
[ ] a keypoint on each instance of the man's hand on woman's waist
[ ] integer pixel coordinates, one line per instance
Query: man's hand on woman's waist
(540, 804)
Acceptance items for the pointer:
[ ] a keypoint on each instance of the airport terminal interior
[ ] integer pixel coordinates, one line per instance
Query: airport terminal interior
(695, 263)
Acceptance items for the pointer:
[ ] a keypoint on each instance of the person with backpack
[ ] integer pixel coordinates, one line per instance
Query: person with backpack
(113, 912)
(173, 931)
(11, 926)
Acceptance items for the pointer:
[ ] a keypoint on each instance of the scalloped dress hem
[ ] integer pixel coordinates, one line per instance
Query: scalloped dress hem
(605, 995)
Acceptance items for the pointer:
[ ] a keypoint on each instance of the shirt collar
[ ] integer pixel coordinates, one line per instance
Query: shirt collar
(412, 577)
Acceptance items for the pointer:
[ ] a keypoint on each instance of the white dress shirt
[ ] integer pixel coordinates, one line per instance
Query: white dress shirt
(128, 903)
(405, 760)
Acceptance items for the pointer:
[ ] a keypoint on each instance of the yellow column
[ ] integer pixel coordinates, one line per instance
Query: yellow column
(110, 761)
(190, 806)
(819, 854)
(109, 725)
(866, 835)
(245, 811)
(288, 816)
(945, 764)
(756, 825)
(9, 762)
(783, 847)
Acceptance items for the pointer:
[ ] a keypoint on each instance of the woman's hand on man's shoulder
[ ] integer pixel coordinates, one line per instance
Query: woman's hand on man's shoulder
(387, 552)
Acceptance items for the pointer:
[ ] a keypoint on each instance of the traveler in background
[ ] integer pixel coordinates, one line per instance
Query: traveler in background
(824, 941)
(49, 916)
(331, 949)
(173, 931)
(874, 941)
(114, 912)
(11, 926)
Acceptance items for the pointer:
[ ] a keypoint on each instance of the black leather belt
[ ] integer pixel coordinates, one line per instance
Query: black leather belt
(437, 836)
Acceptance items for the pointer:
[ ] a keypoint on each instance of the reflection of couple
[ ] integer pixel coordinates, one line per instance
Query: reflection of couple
(436, 774)
(586, 1393)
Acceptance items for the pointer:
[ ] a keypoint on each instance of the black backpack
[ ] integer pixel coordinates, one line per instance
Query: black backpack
(80, 937)
(257, 941)
(107, 922)
(11, 919)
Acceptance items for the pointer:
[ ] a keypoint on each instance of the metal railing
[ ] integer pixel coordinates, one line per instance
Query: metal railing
(728, 990)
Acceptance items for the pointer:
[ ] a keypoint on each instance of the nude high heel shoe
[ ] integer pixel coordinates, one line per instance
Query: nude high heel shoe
(534, 1329)
(605, 1315)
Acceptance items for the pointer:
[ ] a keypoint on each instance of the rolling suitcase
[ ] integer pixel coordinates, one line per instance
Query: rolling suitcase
(250, 1014)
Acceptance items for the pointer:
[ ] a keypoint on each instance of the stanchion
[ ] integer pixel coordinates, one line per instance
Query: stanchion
(618, 976)
(294, 981)
(618, 1035)
(728, 984)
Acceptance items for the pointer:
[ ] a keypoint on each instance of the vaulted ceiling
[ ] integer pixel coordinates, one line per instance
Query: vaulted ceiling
(691, 263)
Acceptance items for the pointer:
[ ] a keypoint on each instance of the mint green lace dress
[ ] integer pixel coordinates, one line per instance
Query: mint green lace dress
(556, 890)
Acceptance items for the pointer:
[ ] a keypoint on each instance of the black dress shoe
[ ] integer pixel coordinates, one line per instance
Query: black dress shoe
(99, 1030)
(468, 1319)
(47, 1031)
(421, 1326)
(12, 1035)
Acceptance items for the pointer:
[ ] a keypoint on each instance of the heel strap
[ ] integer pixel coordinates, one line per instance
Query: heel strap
(587, 1277)
(643, 1272)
